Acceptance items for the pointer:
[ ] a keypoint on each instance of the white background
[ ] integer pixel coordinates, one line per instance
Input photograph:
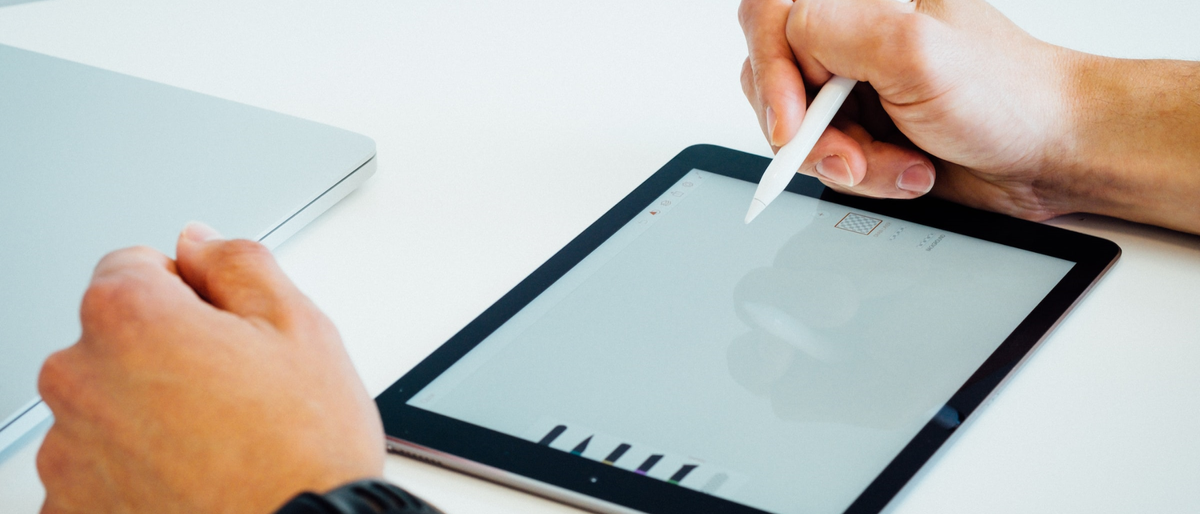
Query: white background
(505, 128)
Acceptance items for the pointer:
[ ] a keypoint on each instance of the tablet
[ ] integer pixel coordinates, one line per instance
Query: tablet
(672, 359)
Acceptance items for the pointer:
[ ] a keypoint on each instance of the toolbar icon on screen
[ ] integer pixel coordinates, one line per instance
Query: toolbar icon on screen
(859, 224)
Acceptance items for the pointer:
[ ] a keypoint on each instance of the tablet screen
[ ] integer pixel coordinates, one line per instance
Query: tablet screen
(781, 364)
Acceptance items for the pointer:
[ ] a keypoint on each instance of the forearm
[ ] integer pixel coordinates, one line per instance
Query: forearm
(1135, 150)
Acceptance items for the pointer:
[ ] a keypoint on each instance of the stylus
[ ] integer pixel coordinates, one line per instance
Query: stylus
(792, 155)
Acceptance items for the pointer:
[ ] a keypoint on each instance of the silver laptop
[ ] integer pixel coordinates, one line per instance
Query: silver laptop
(92, 161)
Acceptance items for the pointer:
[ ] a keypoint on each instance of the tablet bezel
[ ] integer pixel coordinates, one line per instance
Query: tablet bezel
(492, 455)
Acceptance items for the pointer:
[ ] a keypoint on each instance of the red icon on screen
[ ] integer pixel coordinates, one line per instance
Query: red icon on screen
(653, 213)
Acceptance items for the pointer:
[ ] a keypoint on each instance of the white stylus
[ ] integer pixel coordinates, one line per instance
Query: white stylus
(792, 155)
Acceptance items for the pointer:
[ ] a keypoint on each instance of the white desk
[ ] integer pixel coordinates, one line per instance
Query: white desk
(505, 128)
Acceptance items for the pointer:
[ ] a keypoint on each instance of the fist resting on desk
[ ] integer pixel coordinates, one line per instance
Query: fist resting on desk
(205, 384)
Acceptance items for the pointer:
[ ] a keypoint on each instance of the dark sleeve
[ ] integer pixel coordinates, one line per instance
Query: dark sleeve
(362, 497)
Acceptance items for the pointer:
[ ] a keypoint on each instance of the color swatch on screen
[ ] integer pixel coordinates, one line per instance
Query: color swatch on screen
(649, 463)
(682, 473)
(554, 433)
(616, 454)
(581, 447)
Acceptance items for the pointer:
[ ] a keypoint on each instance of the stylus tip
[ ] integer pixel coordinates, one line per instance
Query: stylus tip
(756, 207)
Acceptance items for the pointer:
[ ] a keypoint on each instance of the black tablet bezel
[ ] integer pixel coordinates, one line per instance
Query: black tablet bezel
(401, 421)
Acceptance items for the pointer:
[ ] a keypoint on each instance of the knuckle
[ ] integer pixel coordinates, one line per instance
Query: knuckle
(54, 380)
(312, 327)
(114, 282)
(96, 299)
(297, 314)
(242, 253)
(759, 76)
(806, 15)
(237, 259)
(747, 78)
(131, 254)
(244, 246)
(912, 37)
(746, 12)
(814, 27)
(51, 460)
(114, 299)
(142, 251)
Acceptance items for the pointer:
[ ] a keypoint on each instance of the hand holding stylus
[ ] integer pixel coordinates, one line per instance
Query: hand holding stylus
(1010, 124)
(952, 78)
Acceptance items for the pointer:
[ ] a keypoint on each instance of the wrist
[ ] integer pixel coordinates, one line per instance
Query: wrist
(1095, 96)
(1129, 145)
(1074, 174)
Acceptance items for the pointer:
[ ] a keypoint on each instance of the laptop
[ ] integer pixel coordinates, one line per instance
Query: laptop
(92, 161)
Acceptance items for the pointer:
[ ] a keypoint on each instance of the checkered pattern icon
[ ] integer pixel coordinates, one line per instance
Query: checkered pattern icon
(858, 223)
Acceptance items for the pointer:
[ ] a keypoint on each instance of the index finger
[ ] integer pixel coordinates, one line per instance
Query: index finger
(131, 284)
(776, 76)
(137, 260)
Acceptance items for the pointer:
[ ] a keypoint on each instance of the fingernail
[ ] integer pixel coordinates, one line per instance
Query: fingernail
(197, 232)
(771, 126)
(918, 178)
(836, 169)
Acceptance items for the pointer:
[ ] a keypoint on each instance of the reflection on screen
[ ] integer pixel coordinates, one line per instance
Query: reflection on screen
(780, 364)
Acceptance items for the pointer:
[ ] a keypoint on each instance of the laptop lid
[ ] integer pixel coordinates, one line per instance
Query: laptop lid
(92, 161)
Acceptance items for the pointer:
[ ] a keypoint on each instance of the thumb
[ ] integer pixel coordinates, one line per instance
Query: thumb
(238, 276)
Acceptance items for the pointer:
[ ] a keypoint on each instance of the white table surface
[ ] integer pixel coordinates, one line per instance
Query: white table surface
(505, 128)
